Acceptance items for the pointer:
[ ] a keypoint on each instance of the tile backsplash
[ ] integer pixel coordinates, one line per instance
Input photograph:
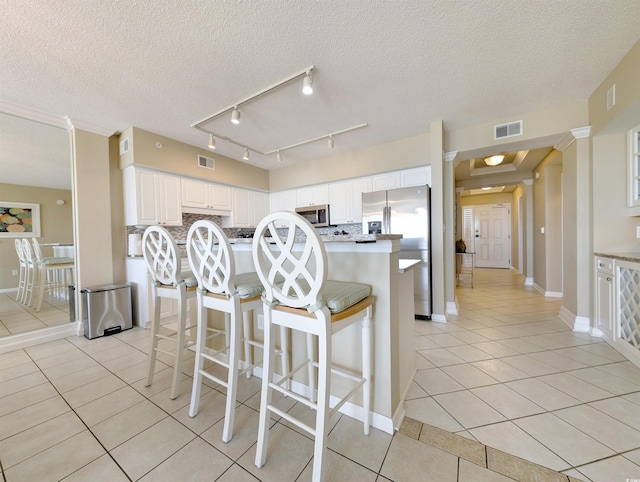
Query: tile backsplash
(179, 233)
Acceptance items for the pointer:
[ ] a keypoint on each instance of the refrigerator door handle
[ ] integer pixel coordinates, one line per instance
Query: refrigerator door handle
(385, 220)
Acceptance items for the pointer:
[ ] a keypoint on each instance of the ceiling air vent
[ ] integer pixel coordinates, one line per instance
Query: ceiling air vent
(124, 146)
(507, 130)
(206, 162)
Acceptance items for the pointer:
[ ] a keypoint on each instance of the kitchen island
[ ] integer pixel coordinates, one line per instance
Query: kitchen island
(376, 262)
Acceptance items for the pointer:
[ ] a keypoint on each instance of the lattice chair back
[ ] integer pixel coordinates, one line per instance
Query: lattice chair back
(160, 252)
(37, 251)
(211, 258)
(28, 252)
(20, 251)
(291, 278)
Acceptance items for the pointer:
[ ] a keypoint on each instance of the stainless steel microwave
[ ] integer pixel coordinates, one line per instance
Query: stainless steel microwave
(316, 215)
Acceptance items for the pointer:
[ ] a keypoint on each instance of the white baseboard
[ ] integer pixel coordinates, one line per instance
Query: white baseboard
(439, 318)
(37, 337)
(528, 281)
(580, 324)
(8, 290)
(596, 332)
(452, 308)
(553, 294)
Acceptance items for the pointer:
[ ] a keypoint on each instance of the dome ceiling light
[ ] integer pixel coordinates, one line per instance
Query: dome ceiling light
(494, 160)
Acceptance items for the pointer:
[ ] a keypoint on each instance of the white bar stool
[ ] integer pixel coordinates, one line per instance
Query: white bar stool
(54, 274)
(160, 252)
(219, 288)
(307, 302)
(22, 280)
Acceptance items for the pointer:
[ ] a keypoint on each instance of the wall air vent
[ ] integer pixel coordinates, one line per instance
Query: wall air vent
(124, 146)
(206, 162)
(507, 130)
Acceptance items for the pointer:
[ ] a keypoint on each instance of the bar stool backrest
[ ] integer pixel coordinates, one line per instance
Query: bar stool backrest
(160, 252)
(211, 258)
(304, 270)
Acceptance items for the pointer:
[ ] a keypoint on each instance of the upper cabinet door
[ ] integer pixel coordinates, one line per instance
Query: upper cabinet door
(313, 195)
(419, 176)
(146, 198)
(220, 197)
(383, 182)
(194, 193)
(169, 200)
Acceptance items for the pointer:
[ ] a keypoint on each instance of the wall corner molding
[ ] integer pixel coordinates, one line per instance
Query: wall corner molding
(32, 114)
(87, 126)
(526, 182)
(450, 156)
(581, 132)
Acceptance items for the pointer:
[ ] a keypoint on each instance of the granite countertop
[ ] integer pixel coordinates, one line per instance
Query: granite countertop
(329, 238)
(632, 257)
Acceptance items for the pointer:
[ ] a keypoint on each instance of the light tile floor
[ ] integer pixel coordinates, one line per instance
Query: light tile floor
(504, 391)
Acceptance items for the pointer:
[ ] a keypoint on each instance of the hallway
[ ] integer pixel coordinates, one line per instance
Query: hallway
(508, 373)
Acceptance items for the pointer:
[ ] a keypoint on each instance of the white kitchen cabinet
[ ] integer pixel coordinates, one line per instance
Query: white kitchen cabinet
(418, 176)
(389, 180)
(605, 298)
(205, 195)
(282, 201)
(312, 195)
(151, 197)
(247, 208)
(345, 200)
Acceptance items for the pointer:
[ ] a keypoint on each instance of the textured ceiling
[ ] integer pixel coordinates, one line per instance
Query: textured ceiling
(162, 66)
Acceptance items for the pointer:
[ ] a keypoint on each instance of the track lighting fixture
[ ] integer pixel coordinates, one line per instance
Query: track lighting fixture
(246, 154)
(278, 156)
(307, 88)
(330, 142)
(212, 142)
(235, 116)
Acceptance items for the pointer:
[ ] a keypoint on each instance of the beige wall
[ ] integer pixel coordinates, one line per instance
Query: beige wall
(56, 224)
(392, 156)
(179, 158)
(613, 228)
(626, 111)
(481, 199)
(516, 217)
(547, 214)
(536, 127)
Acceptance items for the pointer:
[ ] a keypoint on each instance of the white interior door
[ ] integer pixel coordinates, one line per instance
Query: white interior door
(492, 226)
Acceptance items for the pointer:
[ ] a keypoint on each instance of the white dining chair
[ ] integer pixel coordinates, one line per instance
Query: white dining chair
(22, 271)
(54, 274)
(304, 300)
(168, 281)
(31, 279)
(213, 264)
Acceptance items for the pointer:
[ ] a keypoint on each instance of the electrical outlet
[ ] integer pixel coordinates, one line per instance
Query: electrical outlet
(14, 272)
(638, 232)
(260, 322)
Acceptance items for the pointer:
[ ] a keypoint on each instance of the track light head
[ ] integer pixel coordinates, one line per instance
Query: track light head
(307, 88)
(246, 154)
(278, 156)
(235, 116)
(212, 142)
(330, 142)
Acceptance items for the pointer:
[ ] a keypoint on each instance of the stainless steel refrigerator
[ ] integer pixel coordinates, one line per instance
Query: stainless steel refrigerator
(405, 211)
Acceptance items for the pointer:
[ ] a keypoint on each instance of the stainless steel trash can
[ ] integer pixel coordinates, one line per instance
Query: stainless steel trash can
(106, 309)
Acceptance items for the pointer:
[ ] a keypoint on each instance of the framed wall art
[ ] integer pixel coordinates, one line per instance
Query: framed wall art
(19, 220)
